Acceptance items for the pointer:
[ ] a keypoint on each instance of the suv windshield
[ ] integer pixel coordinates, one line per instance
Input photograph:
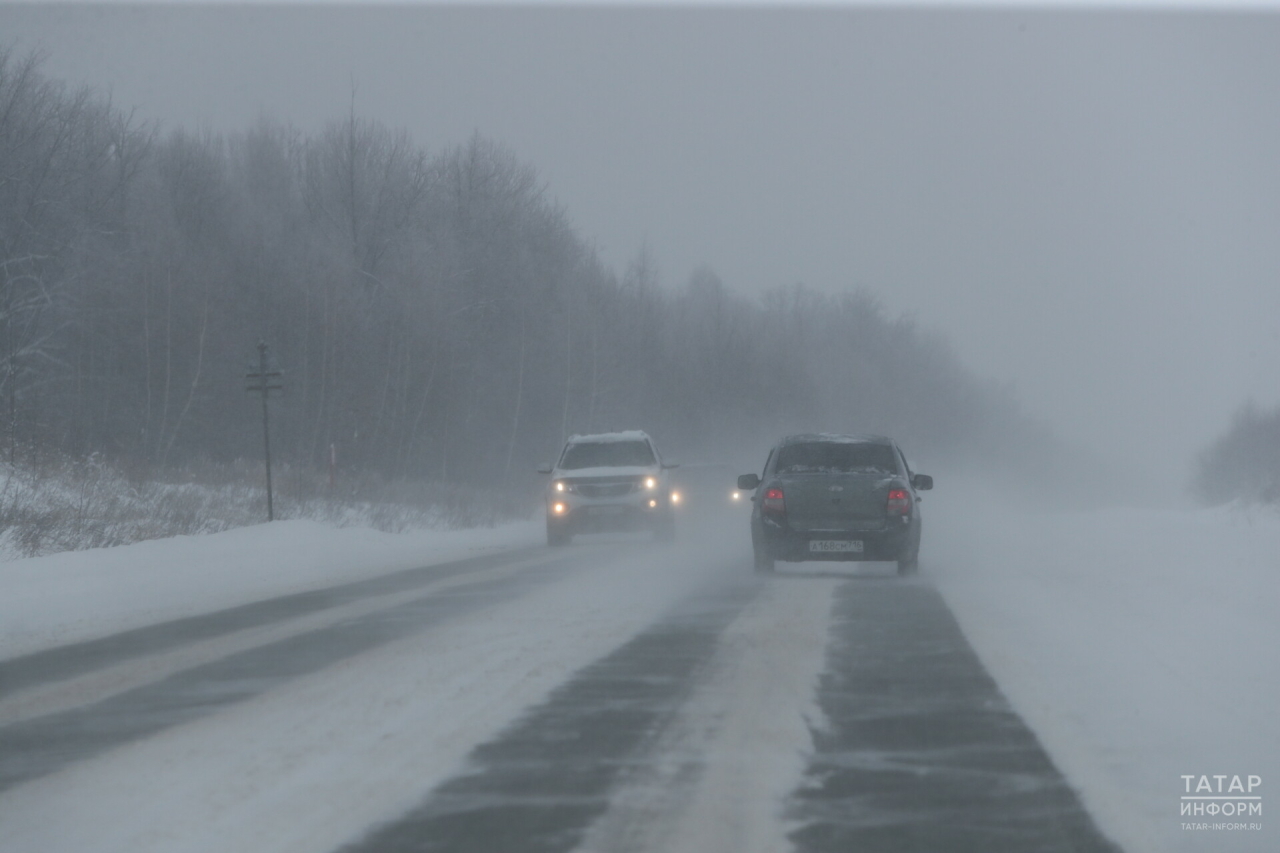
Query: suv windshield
(828, 457)
(606, 454)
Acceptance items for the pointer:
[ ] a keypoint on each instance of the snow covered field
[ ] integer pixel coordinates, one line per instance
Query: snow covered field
(1140, 646)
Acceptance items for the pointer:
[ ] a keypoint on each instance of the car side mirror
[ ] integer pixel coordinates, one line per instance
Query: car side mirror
(670, 464)
(923, 482)
(544, 468)
(748, 482)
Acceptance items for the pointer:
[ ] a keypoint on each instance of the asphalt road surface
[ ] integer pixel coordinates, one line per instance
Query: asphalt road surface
(614, 695)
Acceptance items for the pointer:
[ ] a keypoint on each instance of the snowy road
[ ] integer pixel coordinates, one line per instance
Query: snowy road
(611, 696)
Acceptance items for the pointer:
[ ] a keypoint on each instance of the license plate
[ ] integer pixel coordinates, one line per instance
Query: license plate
(828, 546)
(606, 510)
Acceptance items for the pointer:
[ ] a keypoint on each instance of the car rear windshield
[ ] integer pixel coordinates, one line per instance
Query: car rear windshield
(829, 457)
(606, 454)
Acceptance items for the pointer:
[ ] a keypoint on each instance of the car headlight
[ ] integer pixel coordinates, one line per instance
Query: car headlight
(650, 483)
(561, 487)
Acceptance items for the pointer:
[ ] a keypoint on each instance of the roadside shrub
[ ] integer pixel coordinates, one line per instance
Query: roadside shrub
(1244, 463)
(56, 503)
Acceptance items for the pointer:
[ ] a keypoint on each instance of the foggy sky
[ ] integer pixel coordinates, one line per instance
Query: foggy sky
(1086, 204)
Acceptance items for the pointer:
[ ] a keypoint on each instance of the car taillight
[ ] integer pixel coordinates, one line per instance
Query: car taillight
(773, 501)
(899, 502)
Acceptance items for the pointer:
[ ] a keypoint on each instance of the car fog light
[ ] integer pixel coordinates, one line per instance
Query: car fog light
(558, 509)
(675, 497)
(652, 504)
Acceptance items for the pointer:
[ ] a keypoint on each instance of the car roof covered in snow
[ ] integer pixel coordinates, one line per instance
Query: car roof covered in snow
(603, 437)
(834, 438)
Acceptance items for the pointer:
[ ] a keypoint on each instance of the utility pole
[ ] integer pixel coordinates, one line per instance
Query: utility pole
(11, 385)
(260, 380)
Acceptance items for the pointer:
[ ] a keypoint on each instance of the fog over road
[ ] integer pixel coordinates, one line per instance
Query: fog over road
(615, 695)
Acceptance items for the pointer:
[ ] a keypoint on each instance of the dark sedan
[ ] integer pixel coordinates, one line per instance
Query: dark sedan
(836, 497)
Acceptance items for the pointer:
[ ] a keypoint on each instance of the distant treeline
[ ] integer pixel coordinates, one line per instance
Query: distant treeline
(1244, 463)
(435, 313)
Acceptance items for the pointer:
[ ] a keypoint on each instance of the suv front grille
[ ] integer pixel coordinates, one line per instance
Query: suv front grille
(604, 490)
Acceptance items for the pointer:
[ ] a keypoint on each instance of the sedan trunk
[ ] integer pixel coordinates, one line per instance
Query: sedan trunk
(837, 502)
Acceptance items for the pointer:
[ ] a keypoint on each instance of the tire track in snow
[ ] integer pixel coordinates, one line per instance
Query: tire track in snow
(540, 785)
(67, 661)
(62, 695)
(39, 746)
(921, 752)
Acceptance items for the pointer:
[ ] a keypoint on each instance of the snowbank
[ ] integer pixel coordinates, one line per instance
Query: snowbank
(63, 598)
(1140, 645)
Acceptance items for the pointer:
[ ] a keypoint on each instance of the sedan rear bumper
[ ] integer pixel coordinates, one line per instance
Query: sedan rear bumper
(794, 547)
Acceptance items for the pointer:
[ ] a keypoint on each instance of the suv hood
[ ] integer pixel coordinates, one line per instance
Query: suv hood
(607, 471)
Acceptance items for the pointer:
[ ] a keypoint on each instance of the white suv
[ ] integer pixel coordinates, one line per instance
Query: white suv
(609, 481)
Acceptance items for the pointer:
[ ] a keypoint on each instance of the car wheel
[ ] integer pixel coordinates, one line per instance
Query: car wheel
(558, 535)
(909, 566)
(764, 562)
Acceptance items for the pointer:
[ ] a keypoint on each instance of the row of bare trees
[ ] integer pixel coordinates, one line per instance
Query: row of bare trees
(66, 159)
(435, 313)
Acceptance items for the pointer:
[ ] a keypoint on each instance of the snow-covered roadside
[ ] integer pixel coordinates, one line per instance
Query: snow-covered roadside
(80, 595)
(1139, 645)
